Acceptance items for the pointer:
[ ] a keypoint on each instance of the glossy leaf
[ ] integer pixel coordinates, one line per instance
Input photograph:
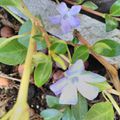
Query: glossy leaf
(52, 101)
(115, 9)
(60, 61)
(75, 41)
(80, 52)
(80, 109)
(90, 5)
(59, 47)
(68, 114)
(111, 23)
(102, 85)
(42, 72)
(10, 2)
(108, 48)
(39, 57)
(79, 1)
(100, 111)
(12, 53)
(26, 28)
(51, 114)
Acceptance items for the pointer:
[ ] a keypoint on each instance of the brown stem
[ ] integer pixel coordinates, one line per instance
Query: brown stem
(113, 72)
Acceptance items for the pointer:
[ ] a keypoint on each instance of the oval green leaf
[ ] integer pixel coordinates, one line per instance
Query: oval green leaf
(80, 52)
(115, 9)
(100, 111)
(12, 53)
(59, 47)
(42, 72)
(108, 48)
(111, 23)
(51, 114)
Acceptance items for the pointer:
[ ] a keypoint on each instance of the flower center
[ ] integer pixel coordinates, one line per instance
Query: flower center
(65, 16)
(74, 80)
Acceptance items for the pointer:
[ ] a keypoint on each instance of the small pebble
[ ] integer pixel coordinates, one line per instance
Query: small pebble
(6, 32)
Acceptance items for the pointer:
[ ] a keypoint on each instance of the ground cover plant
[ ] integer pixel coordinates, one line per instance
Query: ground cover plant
(39, 52)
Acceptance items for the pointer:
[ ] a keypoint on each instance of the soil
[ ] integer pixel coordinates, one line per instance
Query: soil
(36, 96)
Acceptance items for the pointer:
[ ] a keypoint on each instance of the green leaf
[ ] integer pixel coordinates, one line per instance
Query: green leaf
(60, 61)
(100, 111)
(26, 28)
(80, 52)
(102, 85)
(111, 23)
(10, 2)
(59, 47)
(52, 101)
(68, 114)
(75, 41)
(42, 72)
(80, 109)
(115, 9)
(12, 53)
(51, 114)
(106, 47)
(79, 1)
(90, 5)
(39, 57)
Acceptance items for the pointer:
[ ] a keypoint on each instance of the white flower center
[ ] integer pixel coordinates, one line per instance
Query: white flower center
(74, 80)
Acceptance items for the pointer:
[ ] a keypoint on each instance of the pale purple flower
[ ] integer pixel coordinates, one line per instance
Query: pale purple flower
(77, 79)
(67, 18)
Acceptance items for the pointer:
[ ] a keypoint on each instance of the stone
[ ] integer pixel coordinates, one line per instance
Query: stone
(91, 29)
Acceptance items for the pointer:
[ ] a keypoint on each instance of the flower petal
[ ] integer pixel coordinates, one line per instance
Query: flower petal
(58, 86)
(91, 77)
(74, 21)
(75, 10)
(65, 26)
(62, 8)
(69, 95)
(55, 19)
(76, 68)
(88, 91)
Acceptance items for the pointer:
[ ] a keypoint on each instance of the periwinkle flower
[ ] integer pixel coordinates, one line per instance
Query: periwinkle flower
(77, 79)
(68, 18)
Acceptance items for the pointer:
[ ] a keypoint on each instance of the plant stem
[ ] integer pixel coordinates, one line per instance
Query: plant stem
(113, 72)
(112, 101)
(23, 91)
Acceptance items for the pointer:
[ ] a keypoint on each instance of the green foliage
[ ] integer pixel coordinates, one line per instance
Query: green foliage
(26, 28)
(106, 47)
(80, 52)
(90, 5)
(52, 101)
(10, 2)
(115, 9)
(102, 85)
(59, 47)
(68, 114)
(51, 114)
(43, 71)
(75, 41)
(111, 23)
(79, 1)
(60, 61)
(12, 52)
(100, 111)
(80, 109)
